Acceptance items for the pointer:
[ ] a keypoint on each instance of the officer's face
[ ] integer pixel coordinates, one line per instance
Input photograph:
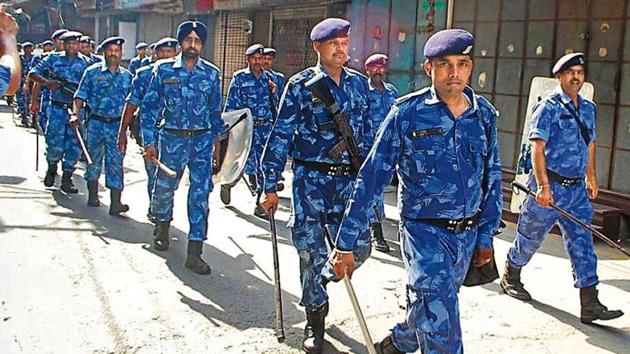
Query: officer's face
(85, 48)
(191, 46)
(333, 52)
(166, 52)
(572, 79)
(255, 61)
(142, 52)
(113, 53)
(71, 46)
(268, 62)
(58, 44)
(449, 74)
(47, 47)
(28, 50)
(376, 72)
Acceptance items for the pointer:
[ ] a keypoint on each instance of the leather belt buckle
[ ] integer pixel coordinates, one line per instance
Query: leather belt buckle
(338, 171)
(457, 226)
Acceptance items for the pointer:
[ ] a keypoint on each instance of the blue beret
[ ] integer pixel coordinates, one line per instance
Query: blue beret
(71, 36)
(27, 44)
(47, 42)
(376, 59)
(166, 42)
(567, 61)
(449, 42)
(152, 45)
(198, 27)
(141, 45)
(112, 40)
(269, 51)
(255, 48)
(330, 28)
(85, 39)
(58, 33)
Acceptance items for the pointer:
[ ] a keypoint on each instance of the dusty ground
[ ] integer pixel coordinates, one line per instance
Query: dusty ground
(75, 280)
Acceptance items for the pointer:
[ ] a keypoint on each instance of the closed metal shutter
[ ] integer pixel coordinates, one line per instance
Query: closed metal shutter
(230, 42)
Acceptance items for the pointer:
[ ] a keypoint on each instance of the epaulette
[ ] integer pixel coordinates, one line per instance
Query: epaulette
(411, 95)
(356, 72)
(209, 64)
(484, 103)
(302, 75)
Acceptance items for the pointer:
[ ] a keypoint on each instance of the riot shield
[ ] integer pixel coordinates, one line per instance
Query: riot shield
(235, 145)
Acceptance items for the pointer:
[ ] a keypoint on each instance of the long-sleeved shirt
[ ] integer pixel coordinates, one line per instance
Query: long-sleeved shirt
(104, 91)
(448, 168)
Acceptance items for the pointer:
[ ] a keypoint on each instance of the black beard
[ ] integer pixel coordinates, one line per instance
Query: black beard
(190, 54)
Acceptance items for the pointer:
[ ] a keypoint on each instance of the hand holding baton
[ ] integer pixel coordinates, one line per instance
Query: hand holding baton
(276, 278)
(167, 171)
(566, 214)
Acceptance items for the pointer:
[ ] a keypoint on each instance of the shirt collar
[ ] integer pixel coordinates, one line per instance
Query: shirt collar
(344, 72)
(565, 98)
(179, 62)
(468, 91)
(104, 67)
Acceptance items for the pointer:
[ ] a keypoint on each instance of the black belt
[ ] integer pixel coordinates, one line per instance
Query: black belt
(105, 119)
(329, 169)
(61, 104)
(185, 133)
(453, 225)
(565, 181)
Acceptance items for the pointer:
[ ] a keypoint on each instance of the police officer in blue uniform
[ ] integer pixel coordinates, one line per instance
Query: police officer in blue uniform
(23, 93)
(104, 87)
(278, 77)
(184, 96)
(141, 53)
(40, 100)
(150, 57)
(322, 175)
(165, 48)
(382, 96)
(87, 48)
(61, 72)
(442, 141)
(562, 134)
(253, 88)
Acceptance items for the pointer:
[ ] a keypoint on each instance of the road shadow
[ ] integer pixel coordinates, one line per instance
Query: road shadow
(621, 284)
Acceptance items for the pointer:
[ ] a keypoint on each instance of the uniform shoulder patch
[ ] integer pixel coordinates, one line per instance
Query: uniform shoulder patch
(302, 75)
(356, 72)
(416, 94)
(485, 104)
(209, 65)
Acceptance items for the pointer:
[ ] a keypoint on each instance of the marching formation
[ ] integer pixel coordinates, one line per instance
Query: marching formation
(347, 135)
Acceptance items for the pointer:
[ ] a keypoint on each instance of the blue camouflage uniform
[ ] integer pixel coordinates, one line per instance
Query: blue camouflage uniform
(380, 103)
(5, 77)
(247, 91)
(146, 61)
(134, 64)
(104, 91)
(449, 169)
(305, 128)
(60, 138)
(278, 79)
(139, 87)
(188, 103)
(21, 95)
(566, 154)
(44, 95)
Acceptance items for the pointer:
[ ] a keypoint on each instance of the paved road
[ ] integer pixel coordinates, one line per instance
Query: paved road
(75, 280)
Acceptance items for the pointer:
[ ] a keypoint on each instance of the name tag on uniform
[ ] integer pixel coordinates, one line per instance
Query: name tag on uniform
(566, 116)
(100, 78)
(426, 132)
(172, 81)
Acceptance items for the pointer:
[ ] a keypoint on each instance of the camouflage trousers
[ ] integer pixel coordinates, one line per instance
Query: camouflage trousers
(259, 139)
(151, 169)
(535, 222)
(101, 144)
(21, 98)
(61, 141)
(436, 261)
(178, 153)
(42, 115)
(318, 206)
(376, 213)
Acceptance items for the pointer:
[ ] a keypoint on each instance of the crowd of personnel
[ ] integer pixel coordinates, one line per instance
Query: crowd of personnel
(347, 134)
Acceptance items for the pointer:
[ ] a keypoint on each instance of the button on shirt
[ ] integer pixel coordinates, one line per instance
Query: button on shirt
(566, 152)
(182, 99)
(247, 91)
(448, 168)
(104, 91)
(306, 127)
(59, 65)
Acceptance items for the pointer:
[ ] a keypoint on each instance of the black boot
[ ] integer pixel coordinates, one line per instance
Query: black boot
(161, 240)
(115, 206)
(51, 173)
(511, 283)
(314, 331)
(194, 261)
(378, 240)
(93, 194)
(226, 194)
(66, 183)
(386, 346)
(592, 309)
(252, 181)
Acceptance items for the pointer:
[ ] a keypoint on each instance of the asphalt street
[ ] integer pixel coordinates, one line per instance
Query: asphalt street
(77, 280)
